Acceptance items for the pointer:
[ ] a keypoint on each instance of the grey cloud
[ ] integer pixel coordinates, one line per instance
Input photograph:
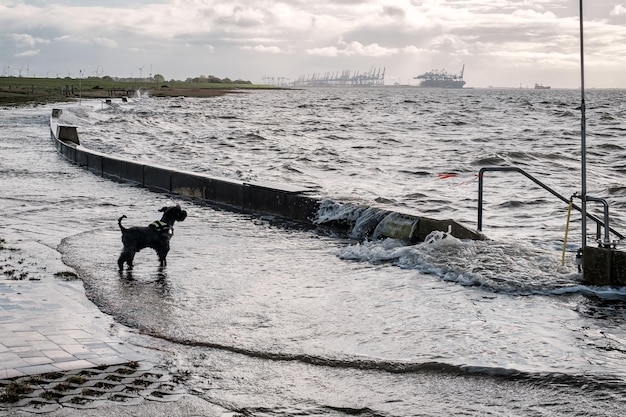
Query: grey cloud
(393, 11)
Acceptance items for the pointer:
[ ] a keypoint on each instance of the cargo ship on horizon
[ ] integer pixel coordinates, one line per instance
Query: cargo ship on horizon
(441, 79)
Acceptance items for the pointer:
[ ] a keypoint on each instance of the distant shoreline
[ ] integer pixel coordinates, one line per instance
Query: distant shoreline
(18, 91)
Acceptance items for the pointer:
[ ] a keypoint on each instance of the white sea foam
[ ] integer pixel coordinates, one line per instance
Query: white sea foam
(439, 238)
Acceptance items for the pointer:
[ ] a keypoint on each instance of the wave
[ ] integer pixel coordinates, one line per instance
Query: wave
(510, 267)
(489, 161)
(514, 268)
(590, 382)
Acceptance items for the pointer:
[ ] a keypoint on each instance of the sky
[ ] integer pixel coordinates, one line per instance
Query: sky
(501, 43)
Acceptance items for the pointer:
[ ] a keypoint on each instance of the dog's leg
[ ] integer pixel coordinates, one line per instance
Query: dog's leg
(127, 255)
(130, 260)
(163, 256)
(163, 248)
(121, 260)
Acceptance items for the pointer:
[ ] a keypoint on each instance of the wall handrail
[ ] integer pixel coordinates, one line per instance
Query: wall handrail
(566, 200)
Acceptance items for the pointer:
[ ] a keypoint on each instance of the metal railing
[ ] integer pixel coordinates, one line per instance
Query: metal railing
(599, 223)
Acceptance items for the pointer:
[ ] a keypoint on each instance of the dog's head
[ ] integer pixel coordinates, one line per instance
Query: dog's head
(173, 214)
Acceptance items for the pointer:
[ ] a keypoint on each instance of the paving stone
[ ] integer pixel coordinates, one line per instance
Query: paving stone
(37, 369)
(14, 341)
(14, 373)
(77, 364)
(58, 355)
(38, 360)
(31, 335)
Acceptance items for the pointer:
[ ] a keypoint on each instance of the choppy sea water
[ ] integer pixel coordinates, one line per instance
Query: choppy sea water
(273, 320)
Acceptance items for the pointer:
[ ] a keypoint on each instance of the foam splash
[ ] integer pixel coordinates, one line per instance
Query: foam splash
(505, 267)
(603, 293)
(329, 211)
(439, 238)
(359, 221)
(517, 267)
(139, 94)
(79, 115)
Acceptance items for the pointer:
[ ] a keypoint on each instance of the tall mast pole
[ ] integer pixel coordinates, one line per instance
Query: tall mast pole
(583, 137)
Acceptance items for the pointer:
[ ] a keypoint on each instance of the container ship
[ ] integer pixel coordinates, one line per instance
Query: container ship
(441, 79)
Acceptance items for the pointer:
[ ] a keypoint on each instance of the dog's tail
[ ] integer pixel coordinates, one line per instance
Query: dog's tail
(119, 222)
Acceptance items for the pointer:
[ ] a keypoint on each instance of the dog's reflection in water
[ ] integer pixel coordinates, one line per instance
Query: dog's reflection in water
(155, 282)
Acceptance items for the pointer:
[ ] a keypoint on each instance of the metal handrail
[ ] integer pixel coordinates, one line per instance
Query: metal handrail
(606, 242)
(599, 222)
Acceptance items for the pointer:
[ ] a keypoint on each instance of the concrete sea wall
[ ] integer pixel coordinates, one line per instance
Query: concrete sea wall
(261, 198)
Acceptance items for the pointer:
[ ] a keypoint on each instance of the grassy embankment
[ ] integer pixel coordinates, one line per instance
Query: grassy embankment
(15, 91)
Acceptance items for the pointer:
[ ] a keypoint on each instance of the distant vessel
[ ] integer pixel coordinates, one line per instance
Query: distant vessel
(441, 79)
(542, 87)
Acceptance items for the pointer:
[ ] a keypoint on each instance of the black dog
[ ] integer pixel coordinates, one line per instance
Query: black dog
(156, 236)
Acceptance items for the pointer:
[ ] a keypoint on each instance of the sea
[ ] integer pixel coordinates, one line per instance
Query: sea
(268, 318)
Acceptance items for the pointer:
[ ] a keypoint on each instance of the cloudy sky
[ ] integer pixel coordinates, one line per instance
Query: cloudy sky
(502, 43)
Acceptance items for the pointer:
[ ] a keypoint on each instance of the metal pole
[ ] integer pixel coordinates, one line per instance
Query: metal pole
(583, 138)
(480, 201)
(80, 87)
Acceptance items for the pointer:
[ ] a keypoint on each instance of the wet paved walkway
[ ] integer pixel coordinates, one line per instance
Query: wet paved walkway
(49, 325)
(67, 358)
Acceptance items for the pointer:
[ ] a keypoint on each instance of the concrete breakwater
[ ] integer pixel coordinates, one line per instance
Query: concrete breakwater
(281, 200)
